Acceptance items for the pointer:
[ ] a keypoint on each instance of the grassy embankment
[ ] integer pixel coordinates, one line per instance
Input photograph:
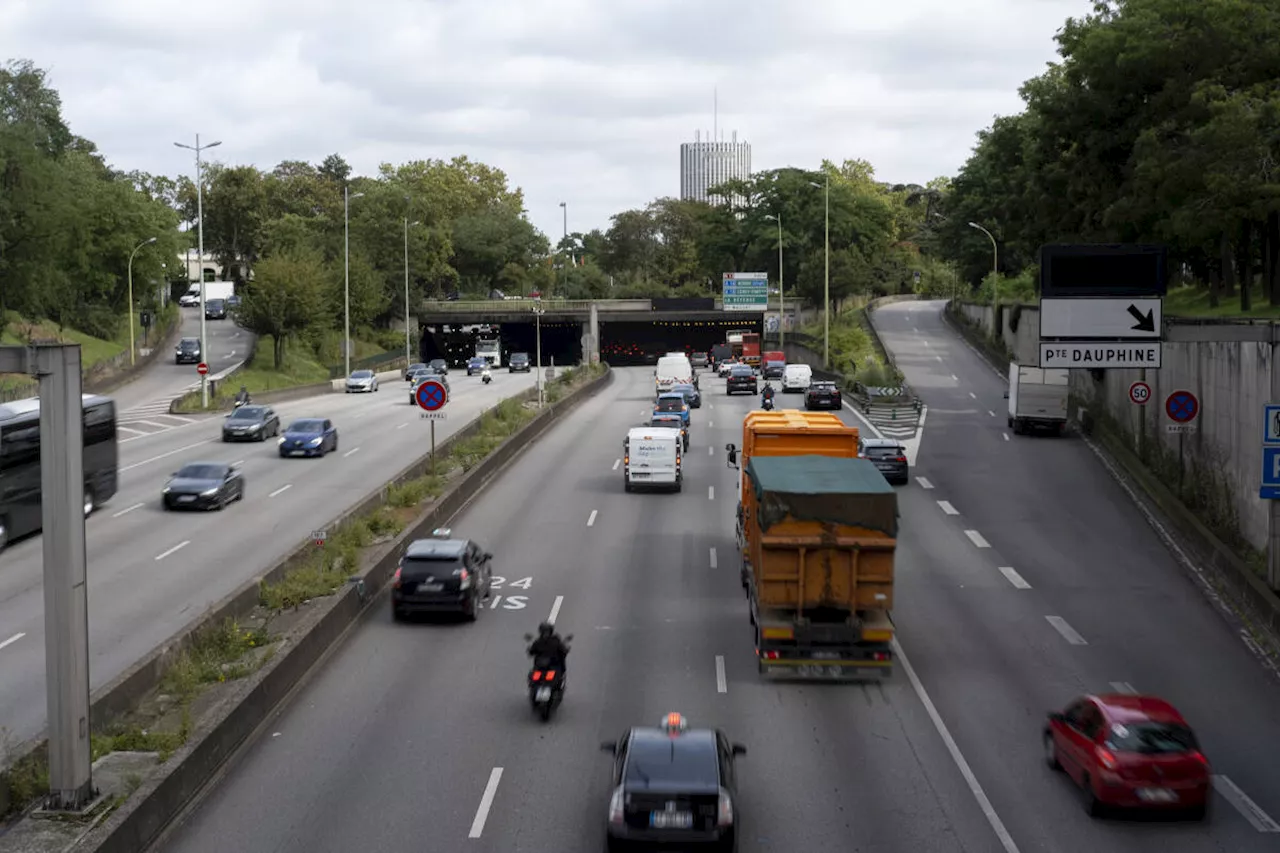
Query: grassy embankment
(94, 352)
(233, 650)
(852, 349)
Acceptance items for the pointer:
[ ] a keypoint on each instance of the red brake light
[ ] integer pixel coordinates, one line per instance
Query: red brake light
(1106, 758)
(551, 675)
(768, 655)
(1199, 756)
(395, 579)
(902, 459)
(463, 574)
(537, 675)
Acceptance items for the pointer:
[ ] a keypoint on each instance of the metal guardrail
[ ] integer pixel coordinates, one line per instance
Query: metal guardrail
(369, 362)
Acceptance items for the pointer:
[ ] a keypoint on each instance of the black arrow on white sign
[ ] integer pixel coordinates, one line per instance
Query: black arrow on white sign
(1145, 322)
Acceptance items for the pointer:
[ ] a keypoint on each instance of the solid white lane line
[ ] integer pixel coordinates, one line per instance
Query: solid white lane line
(403, 425)
(616, 463)
(1251, 811)
(1013, 577)
(167, 455)
(180, 418)
(351, 452)
(591, 519)
(973, 395)
(555, 609)
(924, 483)
(722, 686)
(286, 487)
(486, 803)
(975, 787)
(127, 510)
(711, 493)
(154, 424)
(1006, 435)
(713, 558)
(1123, 687)
(184, 543)
(976, 538)
(1071, 635)
(134, 431)
(946, 507)
(15, 638)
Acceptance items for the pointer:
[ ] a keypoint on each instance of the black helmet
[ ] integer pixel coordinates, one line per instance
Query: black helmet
(244, 388)
(546, 629)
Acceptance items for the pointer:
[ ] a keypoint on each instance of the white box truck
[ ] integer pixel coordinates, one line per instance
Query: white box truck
(1037, 398)
(652, 459)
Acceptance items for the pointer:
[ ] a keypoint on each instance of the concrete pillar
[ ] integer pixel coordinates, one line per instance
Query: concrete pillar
(592, 352)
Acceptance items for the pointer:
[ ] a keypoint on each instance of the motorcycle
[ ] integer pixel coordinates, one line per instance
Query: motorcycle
(546, 684)
(486, 377)
(767, 404)
(240, 403)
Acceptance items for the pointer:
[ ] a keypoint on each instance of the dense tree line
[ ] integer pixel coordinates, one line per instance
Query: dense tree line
(1161, 123)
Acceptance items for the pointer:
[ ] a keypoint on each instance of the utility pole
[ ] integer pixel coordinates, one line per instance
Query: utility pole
(204, 331)
(132, 352)
(66, 603)
(782, 299)
(346, 264)
(537, 324)
(408, 359)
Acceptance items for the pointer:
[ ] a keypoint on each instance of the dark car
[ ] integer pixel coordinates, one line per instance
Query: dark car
(823, 395)
(673, 420)
(476, 365)
(187, 351)
(441, 574)
(692, 395)
(233, 301)
(1129, 751)
(889, 457)
(203, 485)
(674, 786)
(741, 378)
(412, 369)
(439, 365)
(423, 376)
(309, 437)
(215, 309)
(519, 363)
(773, 369)
(251, 423)
(698, 360)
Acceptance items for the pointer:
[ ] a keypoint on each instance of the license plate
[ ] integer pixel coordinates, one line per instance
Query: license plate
(543, 694)
(639, 475)
(430, 587)
(1156, 795)
(186, 499)
(671, 820)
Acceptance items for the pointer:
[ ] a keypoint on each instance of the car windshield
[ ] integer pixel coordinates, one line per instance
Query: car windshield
(437, 363)
(306, 426)
(362, 374)
(670, 763)
(201, 472)
(1151, 738)
(822, 386)
(883, 452)
(247, 413)
(670, 404)
(189, 343)
(520, 357)
(741, 370)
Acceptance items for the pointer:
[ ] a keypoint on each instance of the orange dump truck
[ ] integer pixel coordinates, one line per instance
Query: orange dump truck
(817, 527)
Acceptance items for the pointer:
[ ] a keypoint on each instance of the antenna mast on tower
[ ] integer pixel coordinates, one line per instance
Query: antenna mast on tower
(715, 114)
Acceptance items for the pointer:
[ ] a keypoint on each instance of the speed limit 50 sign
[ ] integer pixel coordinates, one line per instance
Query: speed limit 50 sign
(1139, 393)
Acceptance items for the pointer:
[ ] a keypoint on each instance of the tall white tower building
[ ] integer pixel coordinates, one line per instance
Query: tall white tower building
(710, 162)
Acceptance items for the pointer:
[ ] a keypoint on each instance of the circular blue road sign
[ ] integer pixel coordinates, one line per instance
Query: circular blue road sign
(1182, 407)
(431, 395)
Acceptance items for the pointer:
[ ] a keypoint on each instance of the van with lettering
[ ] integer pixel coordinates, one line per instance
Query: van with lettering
(652, 458)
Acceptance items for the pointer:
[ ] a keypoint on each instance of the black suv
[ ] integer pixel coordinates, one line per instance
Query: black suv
(441, 574)
(187, 351)
(821, 393)
(741, 378)
(215, 309)
(889, 457)
(673, 786)
(519, 363)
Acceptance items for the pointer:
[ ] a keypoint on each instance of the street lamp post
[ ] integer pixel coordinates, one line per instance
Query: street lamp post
(132, 353)
(408, 359)
(782, 297)
(537, 324)
(346, 264)
(826, 273)
(204, 331)
(995, 267)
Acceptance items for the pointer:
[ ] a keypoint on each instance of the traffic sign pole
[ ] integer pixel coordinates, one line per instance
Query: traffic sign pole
(1139, 393)
(432, 397)
(1183, 408)
(202, 368)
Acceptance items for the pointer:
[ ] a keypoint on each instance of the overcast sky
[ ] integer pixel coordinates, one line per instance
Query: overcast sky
(581, 101)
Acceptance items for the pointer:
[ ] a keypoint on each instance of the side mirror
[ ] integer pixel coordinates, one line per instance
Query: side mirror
(739, 749)
(609, 747)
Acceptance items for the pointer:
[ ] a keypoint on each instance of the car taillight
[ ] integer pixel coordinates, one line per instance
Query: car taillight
(537, 675)
(1106, 758)
(879, 655)
(1197, 755)
(551, 675)
(615, 805)
(901, 459)
(724, 809)
(767, 655)
(395, 579)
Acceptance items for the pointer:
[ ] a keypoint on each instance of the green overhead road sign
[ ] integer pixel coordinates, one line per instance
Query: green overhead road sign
(745, 291)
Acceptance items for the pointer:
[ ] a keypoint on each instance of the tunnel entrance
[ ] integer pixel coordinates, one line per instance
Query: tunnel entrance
(625, 343)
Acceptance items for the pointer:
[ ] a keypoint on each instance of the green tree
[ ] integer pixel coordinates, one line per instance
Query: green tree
(285, 299)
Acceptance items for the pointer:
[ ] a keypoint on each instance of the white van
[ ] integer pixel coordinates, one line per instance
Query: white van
(651, 458)
(672, 370)
(796, 377)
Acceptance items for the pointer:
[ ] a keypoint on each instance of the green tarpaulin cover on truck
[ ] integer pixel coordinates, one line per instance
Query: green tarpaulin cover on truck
(827, 489)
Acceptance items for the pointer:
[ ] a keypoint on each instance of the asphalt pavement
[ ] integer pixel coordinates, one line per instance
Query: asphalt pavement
(151, 572)
(142, 406)
(1025, 577)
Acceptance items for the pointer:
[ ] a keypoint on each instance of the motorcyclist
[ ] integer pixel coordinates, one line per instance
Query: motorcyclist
(486, 375)
(548, 649)
(242, 399)
(766, 396)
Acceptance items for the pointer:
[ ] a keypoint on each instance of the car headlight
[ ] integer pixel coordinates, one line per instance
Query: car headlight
(313, 442)
(208, 493)
(165, 490)
(255, 427)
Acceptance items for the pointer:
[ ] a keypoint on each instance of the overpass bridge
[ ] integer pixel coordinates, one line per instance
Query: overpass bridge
(437, 311)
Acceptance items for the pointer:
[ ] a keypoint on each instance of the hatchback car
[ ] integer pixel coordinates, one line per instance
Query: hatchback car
(889, 457)
(439, 365)
(519, 363)
(723, 367)
(692, 395)
(476, 365)
(412, 369)
(251, 423)
(215, 309)
(203, 485)
(187, 351)
(1131, 752)
(441, 574)
(741, 379)
(309, 437)
(362, 381)
(673, 403)
(673, 785)
(823, 395)
(773, 369)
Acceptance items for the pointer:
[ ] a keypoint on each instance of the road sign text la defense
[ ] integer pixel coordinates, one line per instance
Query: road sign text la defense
(745, 291)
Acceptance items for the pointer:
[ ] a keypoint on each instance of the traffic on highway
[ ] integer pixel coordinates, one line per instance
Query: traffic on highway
(1051, 679)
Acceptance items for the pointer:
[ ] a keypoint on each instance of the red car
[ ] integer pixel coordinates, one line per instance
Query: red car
(1129, 752)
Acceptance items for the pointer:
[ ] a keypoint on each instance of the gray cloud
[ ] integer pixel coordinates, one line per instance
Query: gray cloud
(576, 100)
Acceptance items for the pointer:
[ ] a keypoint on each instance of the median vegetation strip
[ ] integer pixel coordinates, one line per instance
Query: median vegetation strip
(853, 350)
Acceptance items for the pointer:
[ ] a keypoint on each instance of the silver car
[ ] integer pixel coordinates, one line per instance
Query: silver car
(362, 381)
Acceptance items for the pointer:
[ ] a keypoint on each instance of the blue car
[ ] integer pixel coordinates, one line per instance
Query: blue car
(673, 403)
(309, 437)
(476, 365)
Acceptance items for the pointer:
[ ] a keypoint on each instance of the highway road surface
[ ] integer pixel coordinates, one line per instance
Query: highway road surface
(143, 404)
(419, 736)
(151, 572)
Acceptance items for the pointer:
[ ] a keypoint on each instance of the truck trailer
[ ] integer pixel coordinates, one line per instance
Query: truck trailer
(1037, 398)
